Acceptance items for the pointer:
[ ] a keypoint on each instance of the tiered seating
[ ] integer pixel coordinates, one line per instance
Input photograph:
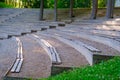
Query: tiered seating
(7, 14)
(47, 44)
(8, 50)
(31, 59)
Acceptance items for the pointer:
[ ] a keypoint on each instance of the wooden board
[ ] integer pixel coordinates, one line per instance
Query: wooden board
(19, 66)
(15, 65)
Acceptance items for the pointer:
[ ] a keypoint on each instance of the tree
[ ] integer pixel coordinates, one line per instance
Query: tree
(110, 8)
(94, 9)
(71, 8)
(41, 9)
(55, 10)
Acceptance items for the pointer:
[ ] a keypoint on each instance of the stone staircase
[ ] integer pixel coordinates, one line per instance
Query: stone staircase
(30, 48)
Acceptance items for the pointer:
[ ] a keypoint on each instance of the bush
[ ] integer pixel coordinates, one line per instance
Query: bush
(3, 5)
(61, 3)
(102, 3)
(82, 3)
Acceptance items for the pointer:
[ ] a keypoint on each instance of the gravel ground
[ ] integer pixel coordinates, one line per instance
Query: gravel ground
(37, 63)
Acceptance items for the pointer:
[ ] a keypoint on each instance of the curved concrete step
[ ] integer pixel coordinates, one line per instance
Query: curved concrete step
(69, 56)
(71, 40)
(106, 41)
(110, 22)
(3, 36)
(51, 50)
(8, 53)
(102, 33)
(36, 62)
(91, 29)
(96, 26)
(14, 13)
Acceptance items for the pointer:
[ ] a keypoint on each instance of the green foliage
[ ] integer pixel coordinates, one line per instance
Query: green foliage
(1, 0)
(3, 5)
(50, 3)
(109, 70)
(102, 3)
(63, 3)
(66, 3)
(82, 3)
(35, 4)
(60, 4)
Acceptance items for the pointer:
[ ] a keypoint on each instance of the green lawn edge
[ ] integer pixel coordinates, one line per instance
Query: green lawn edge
(109, 70)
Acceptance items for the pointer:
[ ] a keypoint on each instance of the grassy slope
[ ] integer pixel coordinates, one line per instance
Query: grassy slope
(3, 5)
(109, 70)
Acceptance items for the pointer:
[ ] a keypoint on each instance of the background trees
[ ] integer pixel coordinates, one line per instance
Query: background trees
(102, 3)
(3, 5)
(82, 4)
(50, 3)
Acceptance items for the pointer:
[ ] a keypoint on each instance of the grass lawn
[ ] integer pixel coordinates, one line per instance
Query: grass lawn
(109, 70)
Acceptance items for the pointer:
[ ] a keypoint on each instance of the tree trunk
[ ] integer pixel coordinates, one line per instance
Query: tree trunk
(110, 8)
(55, 10)
(94, 9)
(41, 9)
(71, 8)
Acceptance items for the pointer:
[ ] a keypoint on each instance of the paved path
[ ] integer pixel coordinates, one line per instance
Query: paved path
(80, 43)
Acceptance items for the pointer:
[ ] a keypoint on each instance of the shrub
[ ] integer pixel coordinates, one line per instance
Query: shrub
(3, 5)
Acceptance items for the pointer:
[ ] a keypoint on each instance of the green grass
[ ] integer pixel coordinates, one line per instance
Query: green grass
(3, 5)
(109, 70)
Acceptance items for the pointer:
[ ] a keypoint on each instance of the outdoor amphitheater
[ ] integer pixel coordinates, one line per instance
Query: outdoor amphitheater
(34, 42)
